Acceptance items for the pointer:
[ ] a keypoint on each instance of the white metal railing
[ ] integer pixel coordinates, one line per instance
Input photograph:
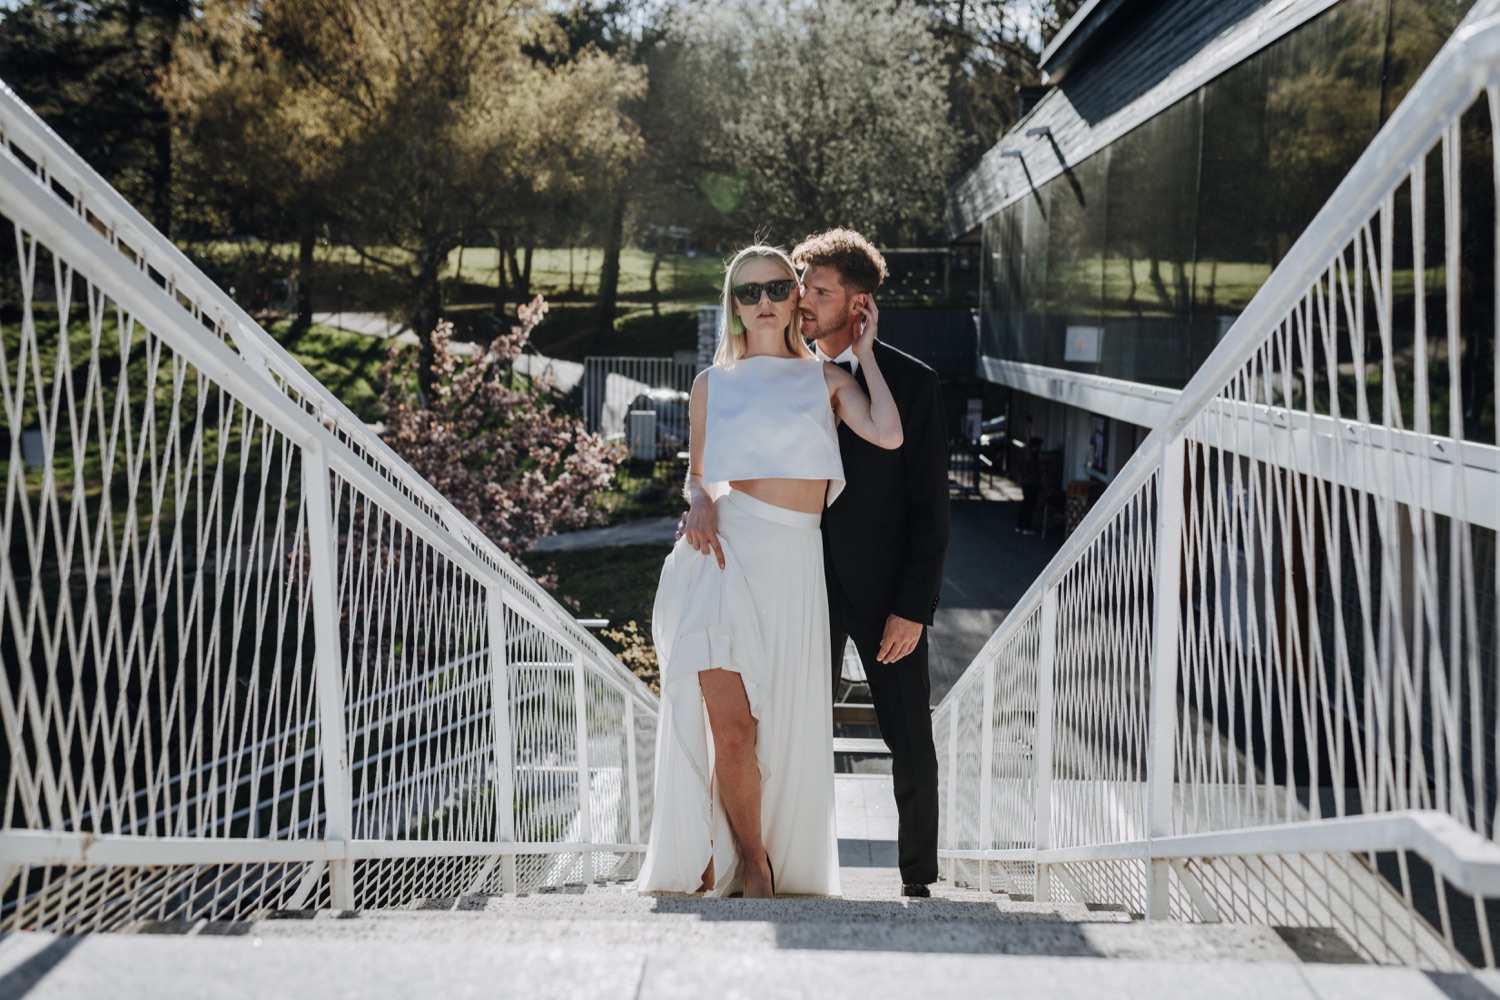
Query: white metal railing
(251, 659)
(616, 387)
(1260, 681)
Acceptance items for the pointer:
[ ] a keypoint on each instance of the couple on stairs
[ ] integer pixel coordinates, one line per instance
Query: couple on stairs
(818, 492)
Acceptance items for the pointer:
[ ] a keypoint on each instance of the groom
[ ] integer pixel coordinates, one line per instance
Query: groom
(884, 538)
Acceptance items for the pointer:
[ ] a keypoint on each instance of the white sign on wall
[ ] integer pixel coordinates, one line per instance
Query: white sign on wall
(1083, 343)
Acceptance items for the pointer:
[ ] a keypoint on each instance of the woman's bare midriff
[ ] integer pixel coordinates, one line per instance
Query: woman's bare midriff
(805, 495)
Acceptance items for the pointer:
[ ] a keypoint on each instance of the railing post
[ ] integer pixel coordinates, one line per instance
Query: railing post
(333, 740)
(505, 773)
(585, 799)
(986, 775)
(632, 784)
(1162, 721)
(1041, 751)
(952, 787)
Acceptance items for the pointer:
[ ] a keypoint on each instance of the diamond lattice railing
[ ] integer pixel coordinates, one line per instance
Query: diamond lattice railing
(1259, 683)
(251, 659)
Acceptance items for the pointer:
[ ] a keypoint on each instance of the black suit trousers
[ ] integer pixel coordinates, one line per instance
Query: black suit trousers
(901, 692)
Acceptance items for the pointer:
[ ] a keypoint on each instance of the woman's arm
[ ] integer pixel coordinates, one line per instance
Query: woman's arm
(702, 522)
(873, 417)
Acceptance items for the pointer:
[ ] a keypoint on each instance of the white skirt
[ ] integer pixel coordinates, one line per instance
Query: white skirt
(765, 616)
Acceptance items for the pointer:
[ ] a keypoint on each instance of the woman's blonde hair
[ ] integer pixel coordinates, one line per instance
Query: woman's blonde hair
(731, 340)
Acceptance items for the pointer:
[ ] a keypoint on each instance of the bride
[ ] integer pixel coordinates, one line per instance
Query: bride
(744, 755)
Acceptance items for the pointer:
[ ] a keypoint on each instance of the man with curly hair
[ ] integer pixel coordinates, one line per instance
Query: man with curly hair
(885, 537)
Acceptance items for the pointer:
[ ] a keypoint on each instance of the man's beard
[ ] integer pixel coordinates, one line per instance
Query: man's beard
(808, 326)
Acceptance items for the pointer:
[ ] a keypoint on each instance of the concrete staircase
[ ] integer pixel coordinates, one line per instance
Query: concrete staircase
(604, 941)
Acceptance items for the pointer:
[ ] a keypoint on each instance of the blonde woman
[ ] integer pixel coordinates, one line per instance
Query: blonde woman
(744, 779)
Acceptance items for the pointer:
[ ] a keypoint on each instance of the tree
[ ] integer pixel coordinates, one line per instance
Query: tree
(492, 445)
(411, 123)
(580, 146)
(94, 72)
(259, 142)
(814, 114)
(992, 48)
(611, 27)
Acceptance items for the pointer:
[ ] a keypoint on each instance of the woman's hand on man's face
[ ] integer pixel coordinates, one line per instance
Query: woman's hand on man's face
(864, 337)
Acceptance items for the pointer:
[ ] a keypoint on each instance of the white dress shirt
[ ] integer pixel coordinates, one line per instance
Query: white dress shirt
(848, 356)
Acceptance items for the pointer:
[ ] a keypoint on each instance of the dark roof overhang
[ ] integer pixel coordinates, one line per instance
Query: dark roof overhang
(1093, 23)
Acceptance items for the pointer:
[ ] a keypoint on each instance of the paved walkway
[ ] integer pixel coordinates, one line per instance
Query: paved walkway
(865, 811)
(382, 326)
(649, 531)
(988, 569)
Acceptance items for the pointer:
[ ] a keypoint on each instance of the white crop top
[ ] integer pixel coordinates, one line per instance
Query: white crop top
(770, 418)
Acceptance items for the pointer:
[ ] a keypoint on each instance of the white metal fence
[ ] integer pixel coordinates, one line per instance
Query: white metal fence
(616, 387)
(1259, 683)
(251, 659)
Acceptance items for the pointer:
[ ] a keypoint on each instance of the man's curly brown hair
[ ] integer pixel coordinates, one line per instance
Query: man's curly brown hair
(860, 266)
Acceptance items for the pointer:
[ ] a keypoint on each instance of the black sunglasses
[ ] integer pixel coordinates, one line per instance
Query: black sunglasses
(778, 291)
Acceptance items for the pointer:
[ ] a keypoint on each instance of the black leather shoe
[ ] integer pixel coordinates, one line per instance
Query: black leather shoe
(916, 890)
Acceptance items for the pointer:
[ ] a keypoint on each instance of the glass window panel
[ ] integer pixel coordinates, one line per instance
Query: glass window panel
(1280, 131)
(1032, 302)
(1322, 111)
(1234, 243)
(1196, 207)
(1015, 247)
(1149, 250)
(1000, 317)
(1472, 414)
(1418, 28)
(1075, 252)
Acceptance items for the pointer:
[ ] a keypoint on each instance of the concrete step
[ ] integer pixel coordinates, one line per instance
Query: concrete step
(871, 917)
(744, 927)
(607, 941)
(137, 967)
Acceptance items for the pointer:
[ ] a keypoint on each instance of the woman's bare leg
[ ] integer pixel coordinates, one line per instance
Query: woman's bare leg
(737, 773)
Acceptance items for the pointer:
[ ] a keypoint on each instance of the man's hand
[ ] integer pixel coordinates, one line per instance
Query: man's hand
(900, 638)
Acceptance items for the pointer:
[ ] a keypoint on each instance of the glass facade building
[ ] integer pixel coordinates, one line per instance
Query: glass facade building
(1134, 261)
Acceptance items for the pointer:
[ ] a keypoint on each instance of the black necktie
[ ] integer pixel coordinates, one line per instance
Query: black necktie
(848, 366)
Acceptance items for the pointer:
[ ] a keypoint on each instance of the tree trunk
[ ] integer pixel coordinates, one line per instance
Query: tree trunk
(161, 174)
(170, 18)
(1158, 285)
(304, 275)
(502, 285)
(609, 273)
(427, 307)
(656, 291)
(520, 277)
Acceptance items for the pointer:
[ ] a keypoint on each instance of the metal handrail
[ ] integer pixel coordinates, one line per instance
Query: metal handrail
(1128, 769)
(206, 773)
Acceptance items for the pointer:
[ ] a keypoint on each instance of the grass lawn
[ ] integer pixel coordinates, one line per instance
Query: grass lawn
(641, 490)
(569, 330)
(555, 272)
(575, 273)
(616, 583)
(348, 364)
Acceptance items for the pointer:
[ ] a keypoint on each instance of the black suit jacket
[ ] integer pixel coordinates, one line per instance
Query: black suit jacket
(885, 536)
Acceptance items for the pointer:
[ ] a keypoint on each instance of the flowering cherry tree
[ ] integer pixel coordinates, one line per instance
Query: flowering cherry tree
(492, 444)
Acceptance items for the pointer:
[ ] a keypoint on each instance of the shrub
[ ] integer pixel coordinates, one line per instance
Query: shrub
(490, 443)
